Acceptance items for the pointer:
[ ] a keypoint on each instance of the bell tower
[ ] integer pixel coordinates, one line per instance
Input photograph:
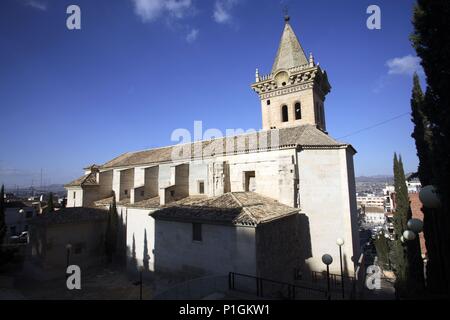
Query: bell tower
(294, 92)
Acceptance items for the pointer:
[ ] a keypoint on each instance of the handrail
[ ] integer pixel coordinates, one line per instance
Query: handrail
(260, 280)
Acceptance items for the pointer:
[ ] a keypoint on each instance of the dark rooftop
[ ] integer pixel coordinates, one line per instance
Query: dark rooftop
(70, 215)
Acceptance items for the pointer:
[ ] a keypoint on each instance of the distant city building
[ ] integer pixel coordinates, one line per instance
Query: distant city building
(416, 208)
(371, 201)
(414, 186)
(18, 215)
(375, 215)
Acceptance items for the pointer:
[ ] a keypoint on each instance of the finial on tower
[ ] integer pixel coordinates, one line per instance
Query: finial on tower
(286, 14)
(311, 60)
(257, 75)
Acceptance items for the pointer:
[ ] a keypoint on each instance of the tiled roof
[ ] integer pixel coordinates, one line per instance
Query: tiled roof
(237, 208)
(69, 215)
(305, 136)
(86, 180)
(103, 202)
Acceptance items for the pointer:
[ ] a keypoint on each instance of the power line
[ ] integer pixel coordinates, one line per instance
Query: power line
(375, 125)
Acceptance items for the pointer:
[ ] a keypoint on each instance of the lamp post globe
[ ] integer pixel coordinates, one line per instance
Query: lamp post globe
(429, 197)
(409, 235)
(415, 225)
(68, 246)
(402, 239)
(327, 259)
(21, 211)
(340, 242)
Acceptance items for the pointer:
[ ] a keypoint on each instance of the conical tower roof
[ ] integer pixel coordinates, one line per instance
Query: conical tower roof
(290, 53)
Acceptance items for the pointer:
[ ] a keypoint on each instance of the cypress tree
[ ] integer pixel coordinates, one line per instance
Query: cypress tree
(431, 40)
(422, 133)
(50, 205)
(400, 221)
(382, 247)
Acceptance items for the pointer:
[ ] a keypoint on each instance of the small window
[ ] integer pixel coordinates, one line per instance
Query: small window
(201, 187)
(298, 111)
(142, 193)
(283, 84)
(125, 192)
(284, 114)
(74, 194)
(268, 102)
(172, 193)
(196, 232)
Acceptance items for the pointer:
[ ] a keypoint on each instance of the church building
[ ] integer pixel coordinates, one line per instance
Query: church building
(268, 203)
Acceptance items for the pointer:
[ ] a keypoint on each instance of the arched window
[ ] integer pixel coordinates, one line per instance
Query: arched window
(284, 114)
(298, 111)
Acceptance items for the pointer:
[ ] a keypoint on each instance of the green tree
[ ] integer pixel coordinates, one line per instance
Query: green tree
(111, 231)
(422, 133)
(406, 254)
(431, 40)
(50, 204)
(400, 220)
(382, 247)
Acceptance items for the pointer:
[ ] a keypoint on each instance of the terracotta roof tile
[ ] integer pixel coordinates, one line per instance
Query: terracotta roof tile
(305, 135)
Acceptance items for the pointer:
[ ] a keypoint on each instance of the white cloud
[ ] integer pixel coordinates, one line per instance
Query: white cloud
(404, 65)
(192, 35)
(39, 5)
(150, 10)
(222, 10)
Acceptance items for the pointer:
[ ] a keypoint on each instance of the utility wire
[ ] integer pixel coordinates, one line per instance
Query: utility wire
(375, 125)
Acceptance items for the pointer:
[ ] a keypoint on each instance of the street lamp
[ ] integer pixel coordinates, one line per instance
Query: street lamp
(139, 283)
(327, 259)
(340, 242)
(409, 235)
(415, 225)
(429, 197)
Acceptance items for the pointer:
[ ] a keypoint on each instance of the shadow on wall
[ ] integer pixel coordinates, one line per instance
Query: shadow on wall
(146, 257)
(283, 246)
(132, 265)
(176, 252)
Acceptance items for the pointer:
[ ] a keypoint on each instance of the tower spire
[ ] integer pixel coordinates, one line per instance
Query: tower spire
(290, 53)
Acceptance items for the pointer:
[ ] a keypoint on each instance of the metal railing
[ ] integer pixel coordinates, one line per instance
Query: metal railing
(272, 289)
(336, 282)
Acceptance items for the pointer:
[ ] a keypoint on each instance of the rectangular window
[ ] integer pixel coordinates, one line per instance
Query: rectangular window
(74, 194)
(201, 187)
(268, 102)
(249, 181)
(125, 192)
(142, 193)
(196, 232)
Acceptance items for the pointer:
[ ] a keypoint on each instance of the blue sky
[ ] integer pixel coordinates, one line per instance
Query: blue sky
(138, 69)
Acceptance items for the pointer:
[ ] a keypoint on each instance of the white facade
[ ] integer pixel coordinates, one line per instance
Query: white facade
(17, 219)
